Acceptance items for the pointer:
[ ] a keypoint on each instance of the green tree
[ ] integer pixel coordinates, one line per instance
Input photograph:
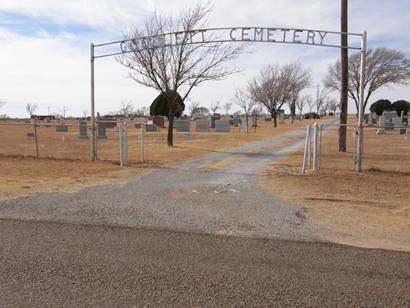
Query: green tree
(160, 105)
(380, 106)
(401, 105)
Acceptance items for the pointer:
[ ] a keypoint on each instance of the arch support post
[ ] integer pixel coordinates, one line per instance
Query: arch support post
(359, 148)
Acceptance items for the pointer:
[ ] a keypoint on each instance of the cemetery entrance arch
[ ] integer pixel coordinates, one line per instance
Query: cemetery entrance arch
(294, 36)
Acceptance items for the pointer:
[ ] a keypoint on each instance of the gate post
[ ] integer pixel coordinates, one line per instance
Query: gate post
(93, 135)
(306, 156)
(123, 144)
(315, 147)
(361, 103)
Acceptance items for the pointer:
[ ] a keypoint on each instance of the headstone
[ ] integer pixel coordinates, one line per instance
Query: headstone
(370, 119)
(222, 126)
(159, 121)
(182, 125)
(281, 117)
(151, 128)
(236, 122)
(382, 123)
(110, 124)
(408, 134)
(101, 131)
(83, 130)
(388, 115)
(254, 120)
(397, 122)
(213, 119)
(202, 125)
(244, 123)
(389, 125)
(186, 136)
(61, 127)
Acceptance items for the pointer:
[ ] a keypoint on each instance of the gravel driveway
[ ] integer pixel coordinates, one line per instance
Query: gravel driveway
(192, 196)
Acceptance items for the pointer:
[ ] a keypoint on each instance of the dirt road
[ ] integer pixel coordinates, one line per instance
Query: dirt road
(215, 194)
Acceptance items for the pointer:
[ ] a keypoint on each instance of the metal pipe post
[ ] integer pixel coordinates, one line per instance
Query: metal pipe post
(320, 145)
(305, 156)
(93, 133)
(315, 146)
(361, 103)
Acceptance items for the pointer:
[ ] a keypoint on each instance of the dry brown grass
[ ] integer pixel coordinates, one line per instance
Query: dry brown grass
(371, 209)
(69, 167)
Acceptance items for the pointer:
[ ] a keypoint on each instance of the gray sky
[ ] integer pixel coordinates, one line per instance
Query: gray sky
(44, 54)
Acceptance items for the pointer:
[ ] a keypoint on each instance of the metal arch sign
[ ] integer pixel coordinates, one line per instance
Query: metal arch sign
(236, 34)
(226, 35)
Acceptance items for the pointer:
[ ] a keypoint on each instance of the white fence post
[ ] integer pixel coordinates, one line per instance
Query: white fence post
(123, 132)
(306, 156)
(315, 147)
(320, 145)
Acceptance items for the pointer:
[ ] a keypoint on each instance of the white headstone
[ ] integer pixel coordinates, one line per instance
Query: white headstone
(382, 123)
(397, 122)
(370, 119)
(222, 126)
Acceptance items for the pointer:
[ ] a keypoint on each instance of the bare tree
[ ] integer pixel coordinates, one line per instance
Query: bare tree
(126, 108)
(31, 108)
(192, 107)
(332, 105)
(227, 106)
(310, 103)
(3, 116)
(245, 101)
(141, 112)
(63, 111)
(384, 67)
(85, 114)
(275, 85)
(300, 104)
(321, 99)
(171, 63)
(214, 107)
(300, 82)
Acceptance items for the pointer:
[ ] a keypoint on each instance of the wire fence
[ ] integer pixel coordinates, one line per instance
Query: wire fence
(72, 139)
(385, 148)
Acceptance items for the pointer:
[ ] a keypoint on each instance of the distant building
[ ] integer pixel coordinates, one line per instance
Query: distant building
(43, 117)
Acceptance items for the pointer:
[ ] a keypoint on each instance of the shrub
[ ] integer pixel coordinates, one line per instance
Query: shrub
(380, 106)
(160, 105)
(400, 106)
(312, 115)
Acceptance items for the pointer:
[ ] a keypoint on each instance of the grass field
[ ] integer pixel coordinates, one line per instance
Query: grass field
(371, 209)
(64, 158)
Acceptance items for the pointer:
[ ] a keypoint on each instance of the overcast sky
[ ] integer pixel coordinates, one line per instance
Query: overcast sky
(44, 53)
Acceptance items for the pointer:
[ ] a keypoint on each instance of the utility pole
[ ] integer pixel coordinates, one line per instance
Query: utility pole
(93, 125)
(344, 76)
